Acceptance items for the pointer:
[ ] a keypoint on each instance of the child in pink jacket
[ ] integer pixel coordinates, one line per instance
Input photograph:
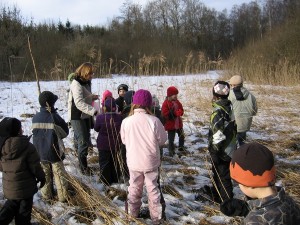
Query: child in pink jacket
(143, 134)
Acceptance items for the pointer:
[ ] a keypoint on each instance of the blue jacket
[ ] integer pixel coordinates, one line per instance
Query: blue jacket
(48, 130)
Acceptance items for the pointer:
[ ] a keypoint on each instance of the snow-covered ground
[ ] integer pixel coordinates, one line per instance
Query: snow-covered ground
(278, 114)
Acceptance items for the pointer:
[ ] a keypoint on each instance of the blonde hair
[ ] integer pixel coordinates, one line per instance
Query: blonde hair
(135, 106)
(84, 70)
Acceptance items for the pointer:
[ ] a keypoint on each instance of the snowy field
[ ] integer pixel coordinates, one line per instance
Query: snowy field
(182, 175)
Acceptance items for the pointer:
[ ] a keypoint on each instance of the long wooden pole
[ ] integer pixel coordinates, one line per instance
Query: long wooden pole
(36, 75)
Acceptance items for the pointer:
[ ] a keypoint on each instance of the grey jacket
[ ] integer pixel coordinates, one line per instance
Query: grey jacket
(244, 110)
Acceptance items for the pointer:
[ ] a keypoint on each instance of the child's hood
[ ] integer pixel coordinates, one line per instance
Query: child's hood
(14, 147)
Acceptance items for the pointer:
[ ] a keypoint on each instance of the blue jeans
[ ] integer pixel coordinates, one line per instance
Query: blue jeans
(241, 138)
(82, 136)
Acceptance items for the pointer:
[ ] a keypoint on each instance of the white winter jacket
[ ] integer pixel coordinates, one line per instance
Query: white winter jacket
(82, 98)
(142, 134)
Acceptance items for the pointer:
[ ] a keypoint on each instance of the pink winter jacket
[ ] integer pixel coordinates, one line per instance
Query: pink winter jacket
(142, 134)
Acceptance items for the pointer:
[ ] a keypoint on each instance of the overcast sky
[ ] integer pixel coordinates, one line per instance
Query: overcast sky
(83, 12)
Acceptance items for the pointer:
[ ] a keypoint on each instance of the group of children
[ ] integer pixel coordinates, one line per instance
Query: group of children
(131, 130)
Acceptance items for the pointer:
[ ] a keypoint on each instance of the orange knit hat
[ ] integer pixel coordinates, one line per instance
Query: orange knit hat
(253, 166)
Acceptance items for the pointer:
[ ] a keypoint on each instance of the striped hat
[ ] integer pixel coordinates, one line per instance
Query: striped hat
(253, 166)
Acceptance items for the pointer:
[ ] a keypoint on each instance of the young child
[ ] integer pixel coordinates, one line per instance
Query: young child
(21, 171)
(222, 141)
(122, 89)
(48, 130)
(109, 142)
(143, 134)
(172, 111)
(252, 167)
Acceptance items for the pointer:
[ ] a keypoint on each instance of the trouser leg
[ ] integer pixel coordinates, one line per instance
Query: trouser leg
(61, 182)
(8, 211)
(135, 191)
(154, 195)
(47, 189)
(82, 135)
(23, 216)
(171, 137)
(181, 138)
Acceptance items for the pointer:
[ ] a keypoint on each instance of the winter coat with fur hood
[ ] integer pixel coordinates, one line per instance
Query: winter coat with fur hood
(20, 164)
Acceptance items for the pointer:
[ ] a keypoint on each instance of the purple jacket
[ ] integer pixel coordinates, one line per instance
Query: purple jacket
(108, 125)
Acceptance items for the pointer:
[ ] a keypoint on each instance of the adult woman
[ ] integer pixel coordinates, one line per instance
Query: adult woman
(80, 111)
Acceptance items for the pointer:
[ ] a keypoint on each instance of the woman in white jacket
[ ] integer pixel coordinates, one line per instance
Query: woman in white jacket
(81, 111)
(143, 134)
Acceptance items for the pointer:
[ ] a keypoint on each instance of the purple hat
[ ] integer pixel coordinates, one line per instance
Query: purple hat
(110, 105)
(143, 98)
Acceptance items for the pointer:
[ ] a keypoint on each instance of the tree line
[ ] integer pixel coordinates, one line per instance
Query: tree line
(163, 37)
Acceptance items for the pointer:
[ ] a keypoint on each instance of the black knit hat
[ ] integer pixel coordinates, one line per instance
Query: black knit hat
(221, 89)
(10, 127)
(122, 87)
(47, 97)
(128, 97)
(253, 165)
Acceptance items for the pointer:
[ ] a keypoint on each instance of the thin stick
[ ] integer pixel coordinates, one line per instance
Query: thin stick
(36, 75)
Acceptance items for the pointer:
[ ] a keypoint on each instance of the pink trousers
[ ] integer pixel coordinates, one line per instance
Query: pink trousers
(135, 193)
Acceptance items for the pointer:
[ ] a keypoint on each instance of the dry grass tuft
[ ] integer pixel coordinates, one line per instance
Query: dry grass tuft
(167, 189)
(41, 216)
(187, 171)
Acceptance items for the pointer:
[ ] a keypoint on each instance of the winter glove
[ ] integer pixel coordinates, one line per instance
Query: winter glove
(42, 182)
(171, 114)
(234, 207)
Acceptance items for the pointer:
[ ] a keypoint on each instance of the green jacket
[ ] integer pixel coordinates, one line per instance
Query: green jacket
(222, 122)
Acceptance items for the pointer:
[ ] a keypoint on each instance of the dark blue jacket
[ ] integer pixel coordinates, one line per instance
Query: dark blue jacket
(46, 129)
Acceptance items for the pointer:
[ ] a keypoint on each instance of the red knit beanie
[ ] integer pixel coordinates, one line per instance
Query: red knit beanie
(253, 166)
(172, 91)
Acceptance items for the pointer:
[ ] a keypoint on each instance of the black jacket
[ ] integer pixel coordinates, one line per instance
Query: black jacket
(20, 164)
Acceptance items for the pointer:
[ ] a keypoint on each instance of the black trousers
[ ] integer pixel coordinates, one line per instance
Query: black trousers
(171, 137)
(18, 209)
(109, 167)
(221, 176)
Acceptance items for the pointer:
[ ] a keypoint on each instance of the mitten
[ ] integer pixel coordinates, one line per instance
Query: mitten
(179, 112)
(171, 114)
(234, 207)
(42, 182)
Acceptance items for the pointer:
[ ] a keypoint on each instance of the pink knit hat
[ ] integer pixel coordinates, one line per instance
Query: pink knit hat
(143, 98)
(105, 95)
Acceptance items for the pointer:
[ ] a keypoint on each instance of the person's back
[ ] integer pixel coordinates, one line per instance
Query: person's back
(21, 171)
(48, 130)
(47, 125)
(143, 134)
(244, 106)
